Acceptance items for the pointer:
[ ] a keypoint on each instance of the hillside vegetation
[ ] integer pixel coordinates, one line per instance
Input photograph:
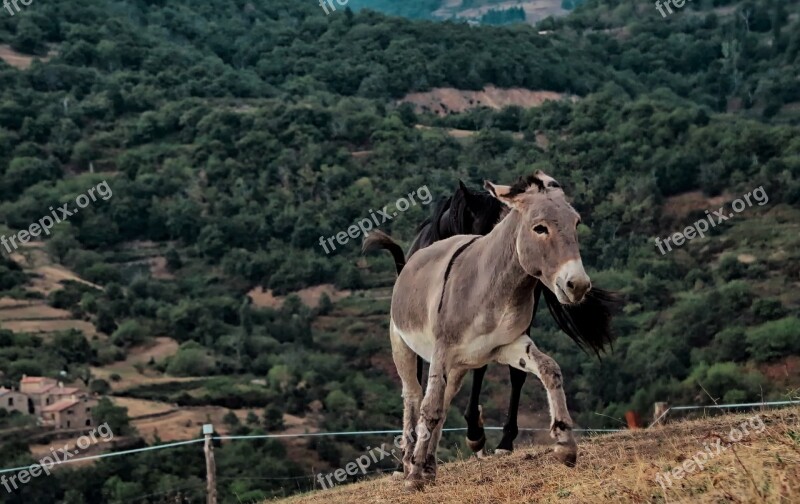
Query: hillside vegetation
(235, 135)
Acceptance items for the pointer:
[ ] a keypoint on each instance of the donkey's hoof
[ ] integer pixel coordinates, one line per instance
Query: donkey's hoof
(414, 485)
(398, 475)
(502, 453)
(477, 446)
(483, 454)
(566, 453)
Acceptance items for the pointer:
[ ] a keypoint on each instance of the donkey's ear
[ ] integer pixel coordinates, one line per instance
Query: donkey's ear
(463, 186)
(501, 192)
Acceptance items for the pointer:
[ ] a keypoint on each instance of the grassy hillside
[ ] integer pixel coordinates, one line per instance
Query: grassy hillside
(762, 466)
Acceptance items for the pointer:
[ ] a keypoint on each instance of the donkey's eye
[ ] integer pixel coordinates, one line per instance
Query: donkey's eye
(542, 230)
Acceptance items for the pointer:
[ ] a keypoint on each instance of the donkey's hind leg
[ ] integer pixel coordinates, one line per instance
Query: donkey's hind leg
(406, 362)
(523, 355)
(510, 429)
(476, 437)
(432, 414)
(454, 380)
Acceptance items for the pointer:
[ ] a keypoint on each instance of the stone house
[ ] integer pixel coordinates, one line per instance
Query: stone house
(52, 403)
(13, 400)
(69, 413)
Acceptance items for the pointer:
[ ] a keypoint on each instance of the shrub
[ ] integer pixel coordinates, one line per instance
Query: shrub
(231, 419)
(273, 418)
(768, 309)
(191, 360)
(729, 345)
(727, 380)
(128, 334)
(775, 339)
(100, 387)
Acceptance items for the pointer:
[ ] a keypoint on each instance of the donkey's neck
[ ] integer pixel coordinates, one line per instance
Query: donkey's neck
(500, 269)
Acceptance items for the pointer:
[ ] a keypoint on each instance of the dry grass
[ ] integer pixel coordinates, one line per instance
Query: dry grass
(37, 316)
(442, 101)
(535, 10)
(310, 296)
(48, 327)
(621, 467)
(22, 61)
(158, 349)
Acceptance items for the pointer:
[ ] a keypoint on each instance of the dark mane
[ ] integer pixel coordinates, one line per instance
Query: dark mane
(465, 212)
(523, 183)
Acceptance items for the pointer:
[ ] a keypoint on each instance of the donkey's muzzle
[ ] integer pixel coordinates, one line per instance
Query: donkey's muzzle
(572, 283)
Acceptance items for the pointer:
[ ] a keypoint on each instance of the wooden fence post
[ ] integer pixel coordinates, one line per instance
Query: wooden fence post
(660, 413)
(211, 466)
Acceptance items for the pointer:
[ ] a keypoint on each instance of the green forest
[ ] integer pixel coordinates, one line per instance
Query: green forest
(229, 133)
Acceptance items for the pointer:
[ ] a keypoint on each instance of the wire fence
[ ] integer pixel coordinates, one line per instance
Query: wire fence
(363, 433)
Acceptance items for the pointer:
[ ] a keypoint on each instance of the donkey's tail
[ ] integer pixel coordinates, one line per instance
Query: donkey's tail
(379, 240)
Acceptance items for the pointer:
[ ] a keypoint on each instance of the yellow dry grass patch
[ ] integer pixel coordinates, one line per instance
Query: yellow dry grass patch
(616, 468)
(141, 407)
(48, 327)
(186, 422)
(32, 311)
(37, 316)
(443, 101)
(310, 296)
(22, 61)
(159, 349)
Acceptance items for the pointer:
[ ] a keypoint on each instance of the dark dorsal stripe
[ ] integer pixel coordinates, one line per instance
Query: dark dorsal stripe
(458, 252)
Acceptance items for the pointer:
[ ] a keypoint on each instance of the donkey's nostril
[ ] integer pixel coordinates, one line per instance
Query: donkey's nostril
(570, 285)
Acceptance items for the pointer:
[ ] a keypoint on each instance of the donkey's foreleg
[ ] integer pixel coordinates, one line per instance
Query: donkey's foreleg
(510, 429)
(405, 361)
(523, 355)
(476, 437)
(432, 414)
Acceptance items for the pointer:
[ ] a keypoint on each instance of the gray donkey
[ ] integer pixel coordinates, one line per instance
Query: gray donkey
(468, 300)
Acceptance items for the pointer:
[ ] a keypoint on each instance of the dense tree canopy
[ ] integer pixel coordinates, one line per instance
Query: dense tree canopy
(235, 135)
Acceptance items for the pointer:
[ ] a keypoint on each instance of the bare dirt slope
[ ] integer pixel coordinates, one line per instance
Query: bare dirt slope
(19, 60)
(764, 466)
(443, 101)
(535, 10)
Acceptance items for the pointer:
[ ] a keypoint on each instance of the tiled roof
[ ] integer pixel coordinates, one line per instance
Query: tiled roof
(61, 405)
(33, 379)
(65, 391)
(42, 389)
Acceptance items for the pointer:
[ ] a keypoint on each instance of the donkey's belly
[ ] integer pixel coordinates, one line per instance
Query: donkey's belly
(419, 341)
(481, 350)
